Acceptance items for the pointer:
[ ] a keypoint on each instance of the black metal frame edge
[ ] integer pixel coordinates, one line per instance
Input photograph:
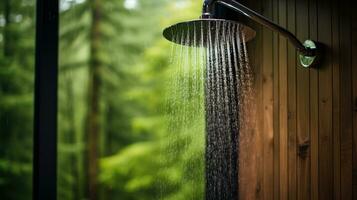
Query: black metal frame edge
(45, 111)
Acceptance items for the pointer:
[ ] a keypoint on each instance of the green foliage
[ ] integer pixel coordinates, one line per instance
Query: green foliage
(16, 98)
(145, 151)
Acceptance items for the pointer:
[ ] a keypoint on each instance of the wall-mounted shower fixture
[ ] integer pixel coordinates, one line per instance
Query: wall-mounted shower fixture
(309, 52)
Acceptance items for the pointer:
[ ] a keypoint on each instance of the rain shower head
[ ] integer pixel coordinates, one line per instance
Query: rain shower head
(200, 29)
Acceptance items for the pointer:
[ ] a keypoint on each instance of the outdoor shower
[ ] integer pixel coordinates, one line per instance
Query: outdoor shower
(227, 89)
(309, 53)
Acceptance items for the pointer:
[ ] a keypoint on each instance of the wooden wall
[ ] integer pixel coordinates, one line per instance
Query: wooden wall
(307, 121)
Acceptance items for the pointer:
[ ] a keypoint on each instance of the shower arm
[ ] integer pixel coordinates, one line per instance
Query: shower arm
(303, 49)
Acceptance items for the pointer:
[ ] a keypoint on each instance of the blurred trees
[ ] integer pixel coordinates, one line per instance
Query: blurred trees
(100, 48)
(140, 157)
(16, 97)
(116, 138)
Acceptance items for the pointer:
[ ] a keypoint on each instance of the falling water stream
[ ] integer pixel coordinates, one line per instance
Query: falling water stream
(213, 105)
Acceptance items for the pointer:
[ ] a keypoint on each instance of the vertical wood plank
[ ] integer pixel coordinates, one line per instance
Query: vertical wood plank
(276, 104)
(346, 100)
(268, 179)
(314, 107)
(283, 104)
(303, 109)
(336, 99)
(259, 102)
(292, 189)
(354, 100)
(325, 103)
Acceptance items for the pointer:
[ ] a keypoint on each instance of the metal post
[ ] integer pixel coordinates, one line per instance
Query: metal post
(45, 113)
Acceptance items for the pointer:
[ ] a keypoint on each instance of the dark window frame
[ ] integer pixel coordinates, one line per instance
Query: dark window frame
(45, 111)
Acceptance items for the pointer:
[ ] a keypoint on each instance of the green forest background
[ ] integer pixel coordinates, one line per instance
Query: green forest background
(117, 136)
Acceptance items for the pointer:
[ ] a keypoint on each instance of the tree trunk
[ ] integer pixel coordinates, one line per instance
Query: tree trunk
(72, 138)
(93, 116)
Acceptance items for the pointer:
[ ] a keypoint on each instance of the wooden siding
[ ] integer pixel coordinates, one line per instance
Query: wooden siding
(301, 107)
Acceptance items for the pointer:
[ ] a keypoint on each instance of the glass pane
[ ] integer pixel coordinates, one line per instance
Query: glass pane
(122, 132)
(17, 38)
